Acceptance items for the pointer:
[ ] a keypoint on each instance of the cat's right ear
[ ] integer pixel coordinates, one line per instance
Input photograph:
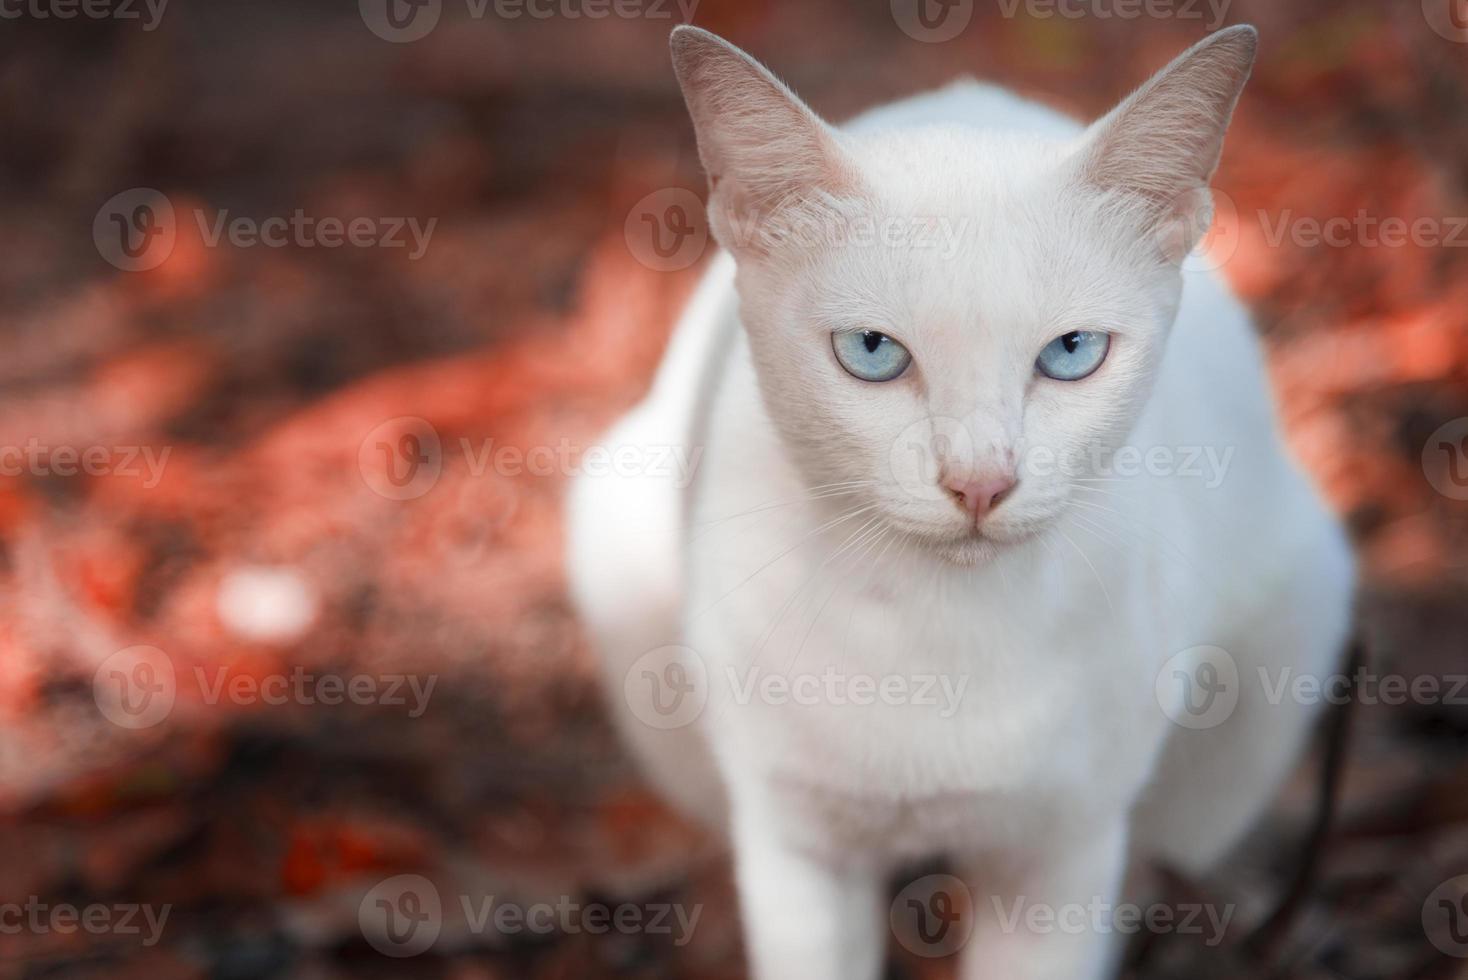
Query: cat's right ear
(1162, 145)
(764, 150)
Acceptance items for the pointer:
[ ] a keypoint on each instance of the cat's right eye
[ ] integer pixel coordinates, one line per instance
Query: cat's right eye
(869, 355)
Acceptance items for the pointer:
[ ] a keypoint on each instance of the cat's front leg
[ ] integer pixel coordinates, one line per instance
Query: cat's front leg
(1050, 919)
(806, 917)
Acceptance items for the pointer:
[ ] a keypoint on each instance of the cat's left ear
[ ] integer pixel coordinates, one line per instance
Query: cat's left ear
(1163, 143)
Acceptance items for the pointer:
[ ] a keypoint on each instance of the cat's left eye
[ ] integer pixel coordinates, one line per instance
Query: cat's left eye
(1073, 356)
(869, 355)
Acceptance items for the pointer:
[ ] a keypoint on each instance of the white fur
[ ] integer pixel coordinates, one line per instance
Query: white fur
(1057, 761)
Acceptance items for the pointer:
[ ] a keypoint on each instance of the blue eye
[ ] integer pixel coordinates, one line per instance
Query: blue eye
(869, 355)
(1074, 356)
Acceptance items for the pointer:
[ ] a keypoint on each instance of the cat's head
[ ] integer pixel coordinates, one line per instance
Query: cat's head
(949, 322)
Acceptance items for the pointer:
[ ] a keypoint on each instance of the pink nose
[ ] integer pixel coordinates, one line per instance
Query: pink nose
(979, 494)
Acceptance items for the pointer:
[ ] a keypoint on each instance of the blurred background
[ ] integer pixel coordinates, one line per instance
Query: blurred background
(309, 310)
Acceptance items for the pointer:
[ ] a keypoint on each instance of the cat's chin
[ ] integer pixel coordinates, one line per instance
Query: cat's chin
(967, 546)
(973, 547)
(970, 550)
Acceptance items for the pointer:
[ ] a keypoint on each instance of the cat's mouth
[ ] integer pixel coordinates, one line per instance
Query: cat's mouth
(953, 535)
(971, 549)
(969, 544)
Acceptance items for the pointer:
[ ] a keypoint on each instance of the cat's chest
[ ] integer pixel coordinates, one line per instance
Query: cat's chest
(912, 828)
(928, 704)
(903, 699)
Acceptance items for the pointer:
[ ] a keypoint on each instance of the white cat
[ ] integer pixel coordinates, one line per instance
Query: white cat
(952, 577)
